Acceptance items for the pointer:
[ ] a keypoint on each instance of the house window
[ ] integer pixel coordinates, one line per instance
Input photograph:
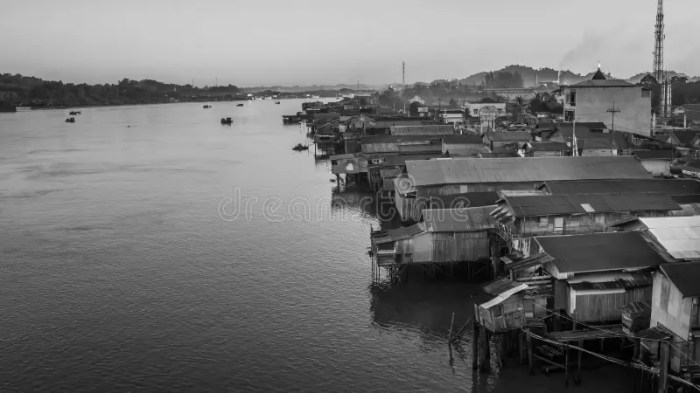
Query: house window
(573, 222)
(559, 223)
(646, 93)
(569, 116)
(544, 221)
(571, 98)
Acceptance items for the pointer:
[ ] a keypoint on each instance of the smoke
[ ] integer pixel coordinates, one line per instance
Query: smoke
(621, 51)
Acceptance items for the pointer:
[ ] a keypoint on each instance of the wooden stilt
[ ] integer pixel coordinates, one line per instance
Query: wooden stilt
(475, 346)
(566, 365)
(529, 353)
(663, 367)
(577, 378)
(487, 350)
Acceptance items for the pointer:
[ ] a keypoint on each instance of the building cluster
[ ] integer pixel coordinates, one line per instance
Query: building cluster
(587, 229)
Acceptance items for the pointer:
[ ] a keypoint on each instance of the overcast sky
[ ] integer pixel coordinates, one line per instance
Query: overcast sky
(266, 42)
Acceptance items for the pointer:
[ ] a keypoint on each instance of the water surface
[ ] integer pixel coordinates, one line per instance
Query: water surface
(127, 264)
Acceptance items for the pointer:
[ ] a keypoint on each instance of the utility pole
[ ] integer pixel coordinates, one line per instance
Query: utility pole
(573, 136)
(612, 112)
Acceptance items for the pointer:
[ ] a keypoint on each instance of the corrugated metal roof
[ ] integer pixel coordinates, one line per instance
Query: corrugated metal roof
(467, 199)
(599, 252)
(529, 169)
(471, 219)
(499, 286)
(603, 83)
(654, 154)
(679, 236)
(464, 139)
(401, 233)
(510, 136)
(422, 130)
(544, 205)
(668, 187)
(525, 263)
(685, 276)
(506, 290)
(402, 158)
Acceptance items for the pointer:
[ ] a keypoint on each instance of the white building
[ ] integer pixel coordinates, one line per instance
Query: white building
(473, 109)
(606, 100)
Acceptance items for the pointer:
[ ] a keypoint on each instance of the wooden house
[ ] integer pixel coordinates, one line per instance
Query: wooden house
(657, 162)
(686, 142)
(622, 186)
(592, 138)
(460, 175)
(444, 235)
(432, 129)
(597, 274)
(510, 306)
(523, 216)
(465, 145)
(510, 141)
(382, 170)
(547, 149)
(675, 308)
(401, 144)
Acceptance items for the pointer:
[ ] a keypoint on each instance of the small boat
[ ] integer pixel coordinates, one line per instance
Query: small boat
(300, 147)
(22, 108)
(277, 102)
(206, 106)
(74, 113)
(226, 120)
(239, 105)
(70, 120)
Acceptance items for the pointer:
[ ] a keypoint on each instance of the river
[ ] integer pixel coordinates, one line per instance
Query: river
(150, 248)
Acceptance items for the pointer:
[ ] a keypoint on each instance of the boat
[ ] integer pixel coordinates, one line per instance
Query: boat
(300, 147)
(74, 113)
(22, 108)
(206, 106)
(70, 120)
(277, 102)
(226, 120)
(239, 105)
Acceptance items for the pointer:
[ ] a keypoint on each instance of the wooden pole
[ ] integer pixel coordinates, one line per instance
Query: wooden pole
(577, 378)
(566, 365)
(529, 353)
(663, 367)
(475, 346)
(487, 350)
(452, 323)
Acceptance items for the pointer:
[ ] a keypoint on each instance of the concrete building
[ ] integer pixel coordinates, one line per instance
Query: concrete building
(606, 100)
(473, 109)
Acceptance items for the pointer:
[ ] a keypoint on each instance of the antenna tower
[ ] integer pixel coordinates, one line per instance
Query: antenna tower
(403, 74)
(659, 43)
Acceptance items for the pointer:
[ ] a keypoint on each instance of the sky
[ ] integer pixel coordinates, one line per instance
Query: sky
(304, 42)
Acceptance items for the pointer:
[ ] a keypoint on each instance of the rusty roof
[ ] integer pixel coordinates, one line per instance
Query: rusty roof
(660, 186)
(464, 139)
(470, 219)
(599, 252)
(545, 205)
(685, 276)
(518, 170)
(436, 129)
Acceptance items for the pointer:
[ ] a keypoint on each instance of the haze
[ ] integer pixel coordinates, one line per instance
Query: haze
(281, 42)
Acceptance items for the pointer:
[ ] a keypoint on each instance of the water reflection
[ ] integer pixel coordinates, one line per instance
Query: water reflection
(424, 306)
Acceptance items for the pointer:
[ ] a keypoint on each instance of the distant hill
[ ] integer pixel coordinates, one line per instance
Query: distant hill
(532, 75)
(299, 89)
